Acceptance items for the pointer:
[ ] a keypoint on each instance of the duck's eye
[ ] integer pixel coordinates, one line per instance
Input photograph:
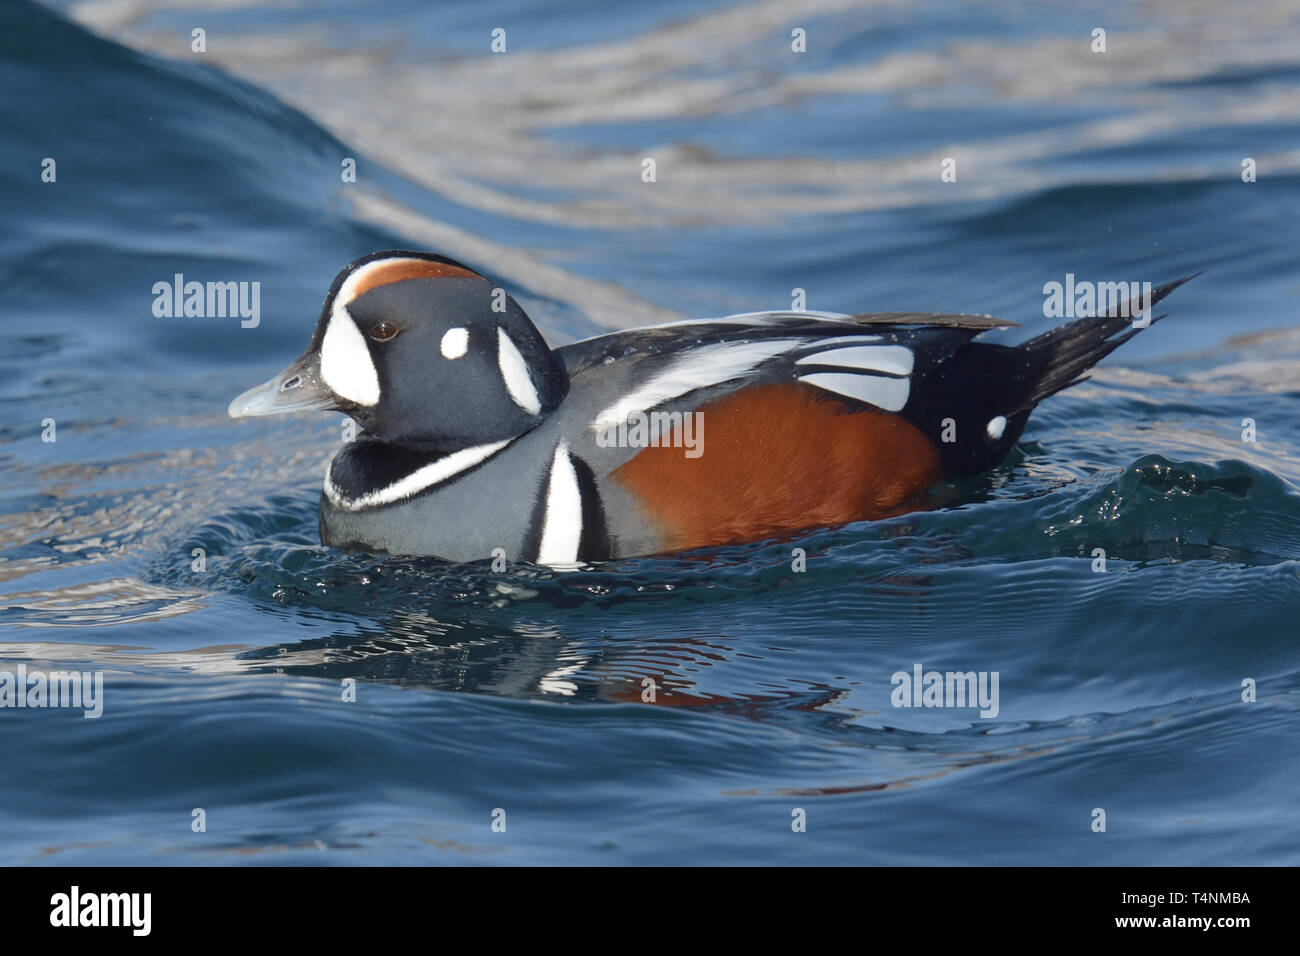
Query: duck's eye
(383, 331)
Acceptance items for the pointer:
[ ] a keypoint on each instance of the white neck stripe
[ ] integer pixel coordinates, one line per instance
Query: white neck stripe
(431, 474)
(514, 372)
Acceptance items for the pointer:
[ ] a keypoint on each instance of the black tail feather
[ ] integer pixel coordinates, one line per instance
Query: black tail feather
(975, 405)
(1062, 356)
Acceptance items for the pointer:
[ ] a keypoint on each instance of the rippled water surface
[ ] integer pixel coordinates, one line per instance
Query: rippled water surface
(479, 690)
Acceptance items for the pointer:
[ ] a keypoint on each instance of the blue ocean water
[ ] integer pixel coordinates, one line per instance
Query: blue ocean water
(480, 692)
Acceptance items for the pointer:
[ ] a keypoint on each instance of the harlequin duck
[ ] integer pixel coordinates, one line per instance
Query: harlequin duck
(475, 435)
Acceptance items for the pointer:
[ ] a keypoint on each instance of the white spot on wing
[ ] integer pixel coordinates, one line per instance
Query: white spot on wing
(514, 372)
(887, 393)
(562, 525)
(418, 480)
(345, 363)
(455, 343)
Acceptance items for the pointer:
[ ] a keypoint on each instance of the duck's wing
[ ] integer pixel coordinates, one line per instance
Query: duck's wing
(870, 358)
(673, 336)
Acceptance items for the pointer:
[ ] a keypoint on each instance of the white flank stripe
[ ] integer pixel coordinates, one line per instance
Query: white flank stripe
(418, 480)
(514, 372)
(345, 363)
(699, 368)
(879, 358)
(887, 393)
(562, 526)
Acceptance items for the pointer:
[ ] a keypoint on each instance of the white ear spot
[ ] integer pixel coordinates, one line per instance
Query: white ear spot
(514, 372)
(455, 343)
(345, 363)
(997, 426)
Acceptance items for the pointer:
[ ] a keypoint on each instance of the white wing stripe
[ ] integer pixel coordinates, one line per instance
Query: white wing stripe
(698, 368)
(895, 359)
(751, 318)
(887, 393)
(839, 340)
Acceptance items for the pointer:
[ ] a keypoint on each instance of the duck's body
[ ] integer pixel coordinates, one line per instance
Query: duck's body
(480, 441)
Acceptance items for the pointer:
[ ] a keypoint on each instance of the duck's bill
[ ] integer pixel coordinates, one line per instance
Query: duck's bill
(297, 389)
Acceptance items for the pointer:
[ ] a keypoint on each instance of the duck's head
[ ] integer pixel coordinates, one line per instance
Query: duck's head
(419, 349)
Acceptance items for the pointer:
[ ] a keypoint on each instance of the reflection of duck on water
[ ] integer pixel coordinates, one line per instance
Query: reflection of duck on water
(523, 661)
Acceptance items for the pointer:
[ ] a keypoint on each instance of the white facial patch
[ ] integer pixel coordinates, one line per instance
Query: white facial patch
(514, 372)
(997, 426)
(345, 363)
(455, 343)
